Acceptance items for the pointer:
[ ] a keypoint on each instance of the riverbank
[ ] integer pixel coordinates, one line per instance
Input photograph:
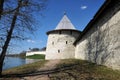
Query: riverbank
(13, 61)
(70, 69)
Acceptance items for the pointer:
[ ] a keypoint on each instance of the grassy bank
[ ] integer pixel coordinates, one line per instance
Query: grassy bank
(83, 70)
(36, 56)
(27, 68)
(70, 69)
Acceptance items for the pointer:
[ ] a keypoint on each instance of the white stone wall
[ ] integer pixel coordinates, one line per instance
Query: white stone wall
(60, 46)
(101, 44)
(35, 52)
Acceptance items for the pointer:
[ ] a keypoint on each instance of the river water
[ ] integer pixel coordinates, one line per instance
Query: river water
(11, 62)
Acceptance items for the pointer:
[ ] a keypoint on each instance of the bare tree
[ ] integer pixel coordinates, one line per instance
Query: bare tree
(20, 19)
(1, 7)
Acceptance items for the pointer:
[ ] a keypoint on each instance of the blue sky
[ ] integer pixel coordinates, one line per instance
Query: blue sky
(80, 12)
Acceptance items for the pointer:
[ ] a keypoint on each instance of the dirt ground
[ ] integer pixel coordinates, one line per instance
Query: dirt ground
(50, 65)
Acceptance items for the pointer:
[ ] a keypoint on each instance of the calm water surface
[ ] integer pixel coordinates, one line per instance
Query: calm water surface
(11, 62)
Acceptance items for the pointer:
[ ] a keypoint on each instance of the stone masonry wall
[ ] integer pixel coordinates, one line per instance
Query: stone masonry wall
(101, 44)
(60, 45)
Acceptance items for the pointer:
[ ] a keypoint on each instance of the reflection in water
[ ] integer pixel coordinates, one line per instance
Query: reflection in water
(11, 62)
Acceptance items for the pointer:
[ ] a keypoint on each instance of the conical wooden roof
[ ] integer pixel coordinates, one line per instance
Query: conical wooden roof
(65, 23)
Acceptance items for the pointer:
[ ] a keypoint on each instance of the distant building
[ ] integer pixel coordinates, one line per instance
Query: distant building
(36, 51)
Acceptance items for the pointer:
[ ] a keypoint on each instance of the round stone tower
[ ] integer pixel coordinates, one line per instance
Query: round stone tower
(60, 41)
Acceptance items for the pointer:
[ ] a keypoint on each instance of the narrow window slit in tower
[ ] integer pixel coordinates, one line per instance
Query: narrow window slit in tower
(52, 43)
(66, 42)
(58, 51)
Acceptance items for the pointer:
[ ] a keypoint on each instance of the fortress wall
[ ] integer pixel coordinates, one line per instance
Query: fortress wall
(60, 45)
(35, 52)
(101, 43)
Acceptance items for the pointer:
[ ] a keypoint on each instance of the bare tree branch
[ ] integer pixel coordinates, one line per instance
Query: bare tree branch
(17, 21)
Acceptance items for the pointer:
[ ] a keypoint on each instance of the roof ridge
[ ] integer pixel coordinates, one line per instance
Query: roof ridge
(65, 23)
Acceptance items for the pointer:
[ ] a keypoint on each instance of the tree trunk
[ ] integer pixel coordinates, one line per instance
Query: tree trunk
(8, 38)
(1, 7)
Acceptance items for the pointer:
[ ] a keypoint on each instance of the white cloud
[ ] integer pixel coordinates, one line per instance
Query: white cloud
(83, 7)
(30, 41)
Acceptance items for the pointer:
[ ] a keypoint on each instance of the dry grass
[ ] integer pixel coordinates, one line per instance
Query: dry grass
(27, 68)
(82, 70)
